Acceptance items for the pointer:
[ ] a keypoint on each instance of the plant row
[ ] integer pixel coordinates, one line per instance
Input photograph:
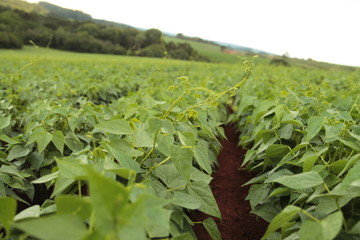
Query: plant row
(107, 156)
(302, 132)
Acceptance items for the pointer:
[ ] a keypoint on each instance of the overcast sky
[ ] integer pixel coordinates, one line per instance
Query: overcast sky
(324, 30)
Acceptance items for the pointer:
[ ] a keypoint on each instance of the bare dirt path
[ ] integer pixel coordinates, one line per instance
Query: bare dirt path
(237, 222)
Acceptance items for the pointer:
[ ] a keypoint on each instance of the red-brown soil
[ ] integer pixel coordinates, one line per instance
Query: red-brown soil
(237, 222)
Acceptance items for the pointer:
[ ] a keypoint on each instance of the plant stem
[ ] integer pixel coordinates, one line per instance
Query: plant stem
(79, 187)
(154, 167)
(180, 187)
(310, 216)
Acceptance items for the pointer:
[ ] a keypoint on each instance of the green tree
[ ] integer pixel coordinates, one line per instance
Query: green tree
(154, 50)
(41, 36)
(10, 21)
(113, 34)
(139, 40)
(153, 36)
(10, 40)
(91, 28)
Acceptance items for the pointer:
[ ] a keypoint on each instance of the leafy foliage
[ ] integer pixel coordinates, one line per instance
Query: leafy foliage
(92, 150)
(69, 127)
(301, 130)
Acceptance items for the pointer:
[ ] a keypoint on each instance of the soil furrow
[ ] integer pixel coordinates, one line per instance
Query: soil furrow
(237, 222)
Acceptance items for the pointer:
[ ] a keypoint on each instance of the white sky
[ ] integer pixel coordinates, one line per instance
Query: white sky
(324, 30)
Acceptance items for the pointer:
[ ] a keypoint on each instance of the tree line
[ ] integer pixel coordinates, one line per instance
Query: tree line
(18, 28)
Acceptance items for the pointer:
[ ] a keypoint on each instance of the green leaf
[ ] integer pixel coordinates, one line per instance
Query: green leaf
(124, 160)
(75, 205)
(116, 126)
(59, 140)
(289, 156)
(286, 131)
(352, 176)
(201, 155)
(327, 229)
(356, 136)
(43, 140)
(156, 217)
(17, 151)
(286, 215)
(2, 190)
(351, 144)
(8, 139)
(356, 229)
(154, 125)
(73, 142)
(198, 175)
(202, 192)
(333, 132)
(257, 194)
(310, 230)
(7, 212)
(35, 135)
(30, 212)
(164, 143)
(277, 151)
(71, 168)
(124, 146)
(301, 180)
(186, 138)
(182, 159)
(72, 123)
(142, 138)
(170, 176)
(353, 160)
(315, 123)
(186, 201)
(55, 227)
(132, 223)
(184, 236)
(46, 178)
(12, 170)
(338, 166)
(5, 121)
(61, 184)
(150, 102)
(331, 225)
(212, 229)
(108, 197)
(267, 211)
(278, 191)
(114, 167)
(309, 159)
(294, 122)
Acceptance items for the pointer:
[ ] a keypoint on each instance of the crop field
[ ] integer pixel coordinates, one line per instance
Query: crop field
(212, 51)
(110, 147)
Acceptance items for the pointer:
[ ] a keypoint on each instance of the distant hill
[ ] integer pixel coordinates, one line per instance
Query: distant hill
(65, 13)
(243, 49)
(223, 45)
(214, 50)
(25, 6)
(77, 15)
(217, 51)
(48, 9)
(73, 30)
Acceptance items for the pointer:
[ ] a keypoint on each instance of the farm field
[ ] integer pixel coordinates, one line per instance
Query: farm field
(109, 147)
(211, 51)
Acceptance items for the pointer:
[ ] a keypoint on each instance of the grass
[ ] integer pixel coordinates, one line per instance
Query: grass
(211, 51)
